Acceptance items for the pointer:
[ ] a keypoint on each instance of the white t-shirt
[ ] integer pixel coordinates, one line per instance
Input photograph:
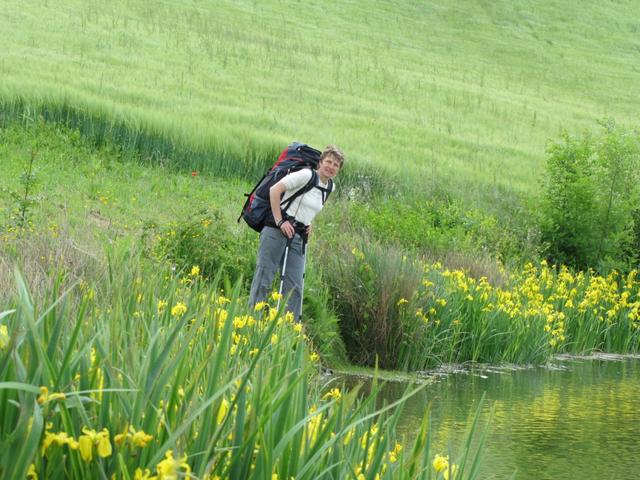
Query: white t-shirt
(306, 206)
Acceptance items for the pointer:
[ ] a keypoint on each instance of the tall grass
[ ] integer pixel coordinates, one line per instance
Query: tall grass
(166, 375)
(144, 140)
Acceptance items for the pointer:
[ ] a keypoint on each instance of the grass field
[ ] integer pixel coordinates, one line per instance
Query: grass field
(462, 95)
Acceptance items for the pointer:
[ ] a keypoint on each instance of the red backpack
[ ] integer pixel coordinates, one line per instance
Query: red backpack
(256, 211)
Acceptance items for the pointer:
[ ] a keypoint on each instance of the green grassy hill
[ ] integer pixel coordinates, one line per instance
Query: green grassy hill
(464, 95)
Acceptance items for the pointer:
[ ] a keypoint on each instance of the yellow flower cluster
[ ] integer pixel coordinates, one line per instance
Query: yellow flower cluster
(137, 438)
(178, 309)
(544, 297)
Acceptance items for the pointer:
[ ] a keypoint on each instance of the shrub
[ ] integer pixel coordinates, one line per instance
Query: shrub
(206, 241)
(436, 227)
(591, 194)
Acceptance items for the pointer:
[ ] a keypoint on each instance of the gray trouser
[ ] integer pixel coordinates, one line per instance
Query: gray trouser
(269, 262)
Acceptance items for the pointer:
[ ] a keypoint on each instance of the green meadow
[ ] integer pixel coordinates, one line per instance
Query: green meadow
(465, 94)
(129, 132)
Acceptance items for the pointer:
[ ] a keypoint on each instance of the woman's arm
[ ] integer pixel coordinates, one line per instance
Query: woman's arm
(275, 194)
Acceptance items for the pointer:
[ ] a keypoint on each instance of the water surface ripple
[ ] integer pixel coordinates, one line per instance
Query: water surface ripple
(579, 419)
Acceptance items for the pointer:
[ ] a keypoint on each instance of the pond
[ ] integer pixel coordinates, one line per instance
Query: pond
(577, 418)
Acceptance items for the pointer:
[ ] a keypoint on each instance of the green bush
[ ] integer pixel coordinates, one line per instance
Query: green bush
(436, 227)
(206, 241)
(590, 210)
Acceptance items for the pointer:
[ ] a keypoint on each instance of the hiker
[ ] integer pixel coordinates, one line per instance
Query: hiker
(292, 227)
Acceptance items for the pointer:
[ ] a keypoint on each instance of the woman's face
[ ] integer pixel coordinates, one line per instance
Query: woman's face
(328, 167)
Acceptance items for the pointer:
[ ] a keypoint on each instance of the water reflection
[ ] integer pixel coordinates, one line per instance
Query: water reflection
(580, 420)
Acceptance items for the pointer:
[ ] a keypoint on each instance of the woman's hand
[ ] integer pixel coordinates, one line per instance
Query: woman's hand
(287, 229)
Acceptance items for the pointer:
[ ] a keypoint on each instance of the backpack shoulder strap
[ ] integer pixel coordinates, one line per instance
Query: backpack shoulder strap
(313, 181)
(325, 191)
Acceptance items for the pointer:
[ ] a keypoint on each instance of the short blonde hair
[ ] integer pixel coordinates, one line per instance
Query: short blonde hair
(332, 150)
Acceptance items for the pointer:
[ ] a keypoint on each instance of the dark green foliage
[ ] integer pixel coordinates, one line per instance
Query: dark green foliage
(590, 209)
(320, 321)
(436, 227)
(205, 240)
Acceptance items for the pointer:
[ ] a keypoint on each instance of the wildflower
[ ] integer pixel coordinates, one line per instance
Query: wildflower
(393, 454)
(221, 300)
(440, 463)
(169, 468)
(276, 296)
(366, 439)
(86, 448)
(195, 271)
(46, 397)
(260, 306)
(451, 470)
(138, 438)
(31, 472)
(60, 439)
(89, 439)
(239, 322)
(253, 352)
(178, 309)
(4, 337)
(314, 357)
(334, 393)
(297, 328)
(194, 173)
(140, 475)
(402, 301)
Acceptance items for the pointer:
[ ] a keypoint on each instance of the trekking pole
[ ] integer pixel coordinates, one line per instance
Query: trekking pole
(304, 267)
(283, 270)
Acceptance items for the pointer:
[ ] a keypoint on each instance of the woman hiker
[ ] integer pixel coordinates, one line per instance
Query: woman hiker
(292, 227)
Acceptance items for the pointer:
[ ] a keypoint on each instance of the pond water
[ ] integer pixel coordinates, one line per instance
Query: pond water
(575, 419)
